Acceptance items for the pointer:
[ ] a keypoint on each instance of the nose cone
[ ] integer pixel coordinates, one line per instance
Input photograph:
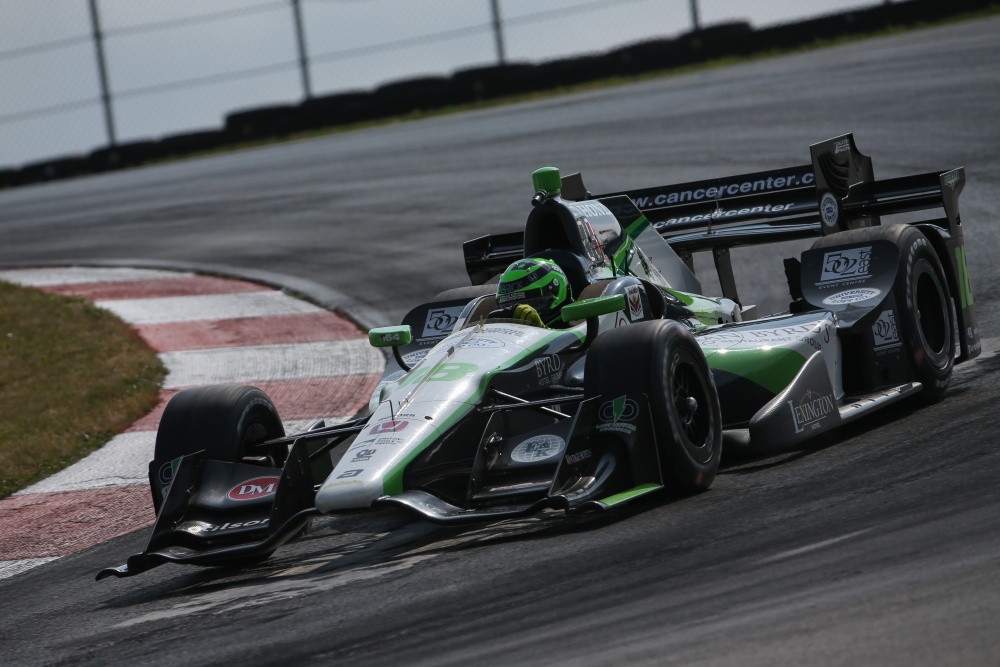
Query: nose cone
(341, 494)
(373, 465)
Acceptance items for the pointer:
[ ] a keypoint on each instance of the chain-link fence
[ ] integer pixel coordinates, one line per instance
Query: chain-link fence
(80, 74)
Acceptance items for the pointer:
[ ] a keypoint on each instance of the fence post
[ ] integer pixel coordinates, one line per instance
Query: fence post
(498, 32)
(303, 58)
(695, 21)
(102, 72)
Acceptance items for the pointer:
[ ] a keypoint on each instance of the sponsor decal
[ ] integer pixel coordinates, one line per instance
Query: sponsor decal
(440, 321)
(590, 243)
(481, 342)
(506, 331)
(811, 409)
(814, 334)
(851, 264)
(254, 489)
(392, 426)
(852, 296)
(618, 415)
(963, 277)
(720, 190)
(842, 146)
(350, 473)
(579, 457)
(721, 213)
(212, 528)
(547, 368)
(829, 210)
(951, 180)
(885, 332)
(413, 358)
(503, 298)
(362, 443)
(588, 209)
(166, 473)
(363, 455)
(384, 440)
(633, 295)
(538, 448)
(621, 319)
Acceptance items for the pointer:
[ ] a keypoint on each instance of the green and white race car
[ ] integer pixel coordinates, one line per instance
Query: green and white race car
(631, 387)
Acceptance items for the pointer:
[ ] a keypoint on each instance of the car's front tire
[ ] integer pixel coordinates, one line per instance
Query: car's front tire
(661, 359)
(224, 420)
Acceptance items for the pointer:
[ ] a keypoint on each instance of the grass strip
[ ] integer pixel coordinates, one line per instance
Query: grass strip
(72, 376)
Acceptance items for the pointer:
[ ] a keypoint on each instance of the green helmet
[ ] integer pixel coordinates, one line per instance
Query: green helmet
(539, 283)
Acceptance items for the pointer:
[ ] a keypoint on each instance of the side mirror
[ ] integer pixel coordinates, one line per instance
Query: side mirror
(584, 310)
(590, 310)
(390, 336)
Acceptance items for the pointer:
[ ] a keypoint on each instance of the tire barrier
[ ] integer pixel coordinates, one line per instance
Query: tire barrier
(484, 83)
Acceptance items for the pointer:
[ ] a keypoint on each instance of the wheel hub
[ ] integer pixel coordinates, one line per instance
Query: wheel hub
(688, 406)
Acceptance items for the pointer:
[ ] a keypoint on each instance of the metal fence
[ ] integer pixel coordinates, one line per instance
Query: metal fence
(80, 74)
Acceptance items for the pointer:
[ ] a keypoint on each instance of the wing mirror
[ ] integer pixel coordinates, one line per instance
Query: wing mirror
(590, 310)
(392, 337)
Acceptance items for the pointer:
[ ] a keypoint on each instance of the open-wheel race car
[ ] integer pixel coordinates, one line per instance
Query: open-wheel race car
(583, 368)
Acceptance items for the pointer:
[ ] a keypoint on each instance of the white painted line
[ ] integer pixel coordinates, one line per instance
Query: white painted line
(207, 307)
(8, 568)
(271, 362)
(810, 547)
(75, 275)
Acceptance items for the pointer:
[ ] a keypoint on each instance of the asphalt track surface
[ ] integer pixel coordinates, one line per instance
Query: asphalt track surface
(880, 545)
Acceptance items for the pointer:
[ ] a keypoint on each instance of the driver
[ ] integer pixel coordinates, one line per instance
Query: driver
(533, 291)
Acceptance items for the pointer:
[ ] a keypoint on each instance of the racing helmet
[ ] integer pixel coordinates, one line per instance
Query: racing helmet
(535, 282)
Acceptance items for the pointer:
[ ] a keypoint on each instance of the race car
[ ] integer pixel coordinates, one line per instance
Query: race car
(496, 405)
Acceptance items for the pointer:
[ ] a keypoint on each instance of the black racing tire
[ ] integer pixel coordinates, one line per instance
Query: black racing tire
(469, 292)
(224, 420)
(661, 359)
(925, 319)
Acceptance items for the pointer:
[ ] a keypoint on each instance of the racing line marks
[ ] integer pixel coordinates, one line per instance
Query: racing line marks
(791, 553)
(313, 364)
(253, 595)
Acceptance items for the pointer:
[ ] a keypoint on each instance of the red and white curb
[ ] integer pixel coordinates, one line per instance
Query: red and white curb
(207, 330)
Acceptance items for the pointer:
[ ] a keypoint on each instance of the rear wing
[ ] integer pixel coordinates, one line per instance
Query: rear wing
(836, 192)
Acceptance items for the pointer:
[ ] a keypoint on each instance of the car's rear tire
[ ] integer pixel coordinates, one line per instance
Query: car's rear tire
(662, 360)
(224, 420)
(923, 300)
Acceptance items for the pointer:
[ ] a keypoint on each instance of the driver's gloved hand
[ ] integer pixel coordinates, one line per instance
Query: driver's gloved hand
(528, 315)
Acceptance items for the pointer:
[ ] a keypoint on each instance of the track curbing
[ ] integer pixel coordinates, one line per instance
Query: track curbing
(208, 329)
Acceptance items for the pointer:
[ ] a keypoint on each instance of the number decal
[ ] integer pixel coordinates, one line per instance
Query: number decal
(444, 373)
